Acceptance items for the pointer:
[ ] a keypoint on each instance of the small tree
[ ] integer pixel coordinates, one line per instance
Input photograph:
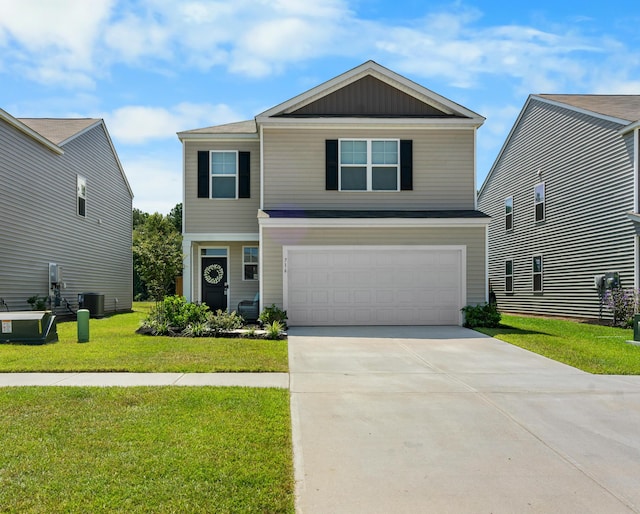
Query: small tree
(157, 251)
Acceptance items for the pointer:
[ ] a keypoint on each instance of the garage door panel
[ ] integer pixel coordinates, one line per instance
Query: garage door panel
(373, 285)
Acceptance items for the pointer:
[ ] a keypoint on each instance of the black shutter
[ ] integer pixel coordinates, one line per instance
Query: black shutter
(331, 155)
(406, 165)
(203, 175)
(244, 175)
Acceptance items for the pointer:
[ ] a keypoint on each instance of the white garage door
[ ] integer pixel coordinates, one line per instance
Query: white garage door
(367, 285)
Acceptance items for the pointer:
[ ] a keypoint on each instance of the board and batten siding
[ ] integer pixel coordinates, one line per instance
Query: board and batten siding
(274, 238)
(587, 168)
(443, 164)
(39, 223)
(206, 215)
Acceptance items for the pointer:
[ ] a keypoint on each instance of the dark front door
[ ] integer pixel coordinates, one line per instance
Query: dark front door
(214, 282)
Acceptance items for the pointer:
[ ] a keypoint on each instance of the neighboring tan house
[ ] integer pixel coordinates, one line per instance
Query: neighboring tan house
(351, 204)
(563, 200)
(65, 222)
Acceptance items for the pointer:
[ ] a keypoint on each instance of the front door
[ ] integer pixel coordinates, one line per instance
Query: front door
(214, 282)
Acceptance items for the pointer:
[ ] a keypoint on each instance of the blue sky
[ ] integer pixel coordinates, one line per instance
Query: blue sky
(152, 68)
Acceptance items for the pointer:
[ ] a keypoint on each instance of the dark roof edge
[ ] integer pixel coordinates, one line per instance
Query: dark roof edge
(346, 214)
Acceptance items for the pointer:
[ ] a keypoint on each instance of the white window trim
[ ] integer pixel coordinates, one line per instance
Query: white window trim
(212, 176)
(506, 215)
(534, 273)
(543, 202)
(80, 180)
(369, 165)
(506, 275)
(245, 263)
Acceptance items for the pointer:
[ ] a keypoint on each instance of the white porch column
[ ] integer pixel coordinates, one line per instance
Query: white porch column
(187, 280)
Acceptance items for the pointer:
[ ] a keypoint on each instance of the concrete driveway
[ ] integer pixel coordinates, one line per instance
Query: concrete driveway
(443, 419)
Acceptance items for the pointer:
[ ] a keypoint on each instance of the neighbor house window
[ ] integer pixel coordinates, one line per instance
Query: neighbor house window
(508, 213)
(508, 276)
(81, 187)
(250, 263)
(538, 201)
(224, 174)
(537, 273)
(369, 165)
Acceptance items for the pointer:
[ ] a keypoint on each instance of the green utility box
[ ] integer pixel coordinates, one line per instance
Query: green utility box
(636, 327)
(30, 327)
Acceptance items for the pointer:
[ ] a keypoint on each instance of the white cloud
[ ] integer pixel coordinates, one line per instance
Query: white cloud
(156, 181)
(136, 124)
(53, 31)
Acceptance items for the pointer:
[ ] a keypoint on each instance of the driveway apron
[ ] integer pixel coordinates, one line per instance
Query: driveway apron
(444, 419)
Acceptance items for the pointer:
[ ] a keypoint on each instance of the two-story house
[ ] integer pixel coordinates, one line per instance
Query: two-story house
(352, 203)
(563, 198)
(65, 221)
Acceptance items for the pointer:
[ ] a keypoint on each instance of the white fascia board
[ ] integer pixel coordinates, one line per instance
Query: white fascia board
(113, 150)
(581, 110)
(372, 222)
(504, 145)
(83, 131)
(380, 72)
(204, 138)
(629, 128)
(371, 123)
(17, 124)
(217, 237)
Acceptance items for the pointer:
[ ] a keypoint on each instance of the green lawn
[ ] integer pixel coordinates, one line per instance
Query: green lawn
(114, 346)
(156, 450)
(593, 348)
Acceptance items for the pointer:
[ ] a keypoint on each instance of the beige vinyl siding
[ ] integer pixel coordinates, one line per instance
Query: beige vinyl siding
(587, 168)
(274, 238)
(207, 216)
(238, 289)
(39, 222)
(443, 164)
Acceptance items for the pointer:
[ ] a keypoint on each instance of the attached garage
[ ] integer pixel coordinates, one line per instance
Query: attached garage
(374, 285)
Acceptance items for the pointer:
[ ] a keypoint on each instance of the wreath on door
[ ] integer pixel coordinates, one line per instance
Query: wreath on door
(213, 274)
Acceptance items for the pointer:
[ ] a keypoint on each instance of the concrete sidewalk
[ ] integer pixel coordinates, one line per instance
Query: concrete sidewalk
(278, 380)
(446, 420)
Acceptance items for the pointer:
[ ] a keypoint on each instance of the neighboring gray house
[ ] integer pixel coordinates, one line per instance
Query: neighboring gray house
(563, 198)
(65, 221)
(352, 203)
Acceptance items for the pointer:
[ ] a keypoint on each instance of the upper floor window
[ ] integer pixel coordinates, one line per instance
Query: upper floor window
(369, 165)
(508, 213)
(508, 276)
(538, 201)
(537, 273)
(81, 187)
(224, 172)
(249, 263)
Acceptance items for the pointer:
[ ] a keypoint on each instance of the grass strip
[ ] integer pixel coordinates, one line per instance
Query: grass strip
(114, 346)
(594, 348)
(161, 449)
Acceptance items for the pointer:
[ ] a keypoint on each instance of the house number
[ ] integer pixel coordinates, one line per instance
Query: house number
(213, 273)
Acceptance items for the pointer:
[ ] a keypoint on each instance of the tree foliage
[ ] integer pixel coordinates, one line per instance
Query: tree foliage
(157, 253)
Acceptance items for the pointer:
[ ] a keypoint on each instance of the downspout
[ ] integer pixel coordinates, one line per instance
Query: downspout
(636, 240)
(260, 239)
(475, 168)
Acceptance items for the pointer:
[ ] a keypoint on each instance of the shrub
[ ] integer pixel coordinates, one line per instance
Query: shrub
(273, 330)
(224, 321)
(37, 303)
(484, 315)
(271, 314)
(623, 304)
(174, 314)
(198, 329)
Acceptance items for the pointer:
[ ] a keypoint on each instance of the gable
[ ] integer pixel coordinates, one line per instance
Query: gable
(368, 96)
